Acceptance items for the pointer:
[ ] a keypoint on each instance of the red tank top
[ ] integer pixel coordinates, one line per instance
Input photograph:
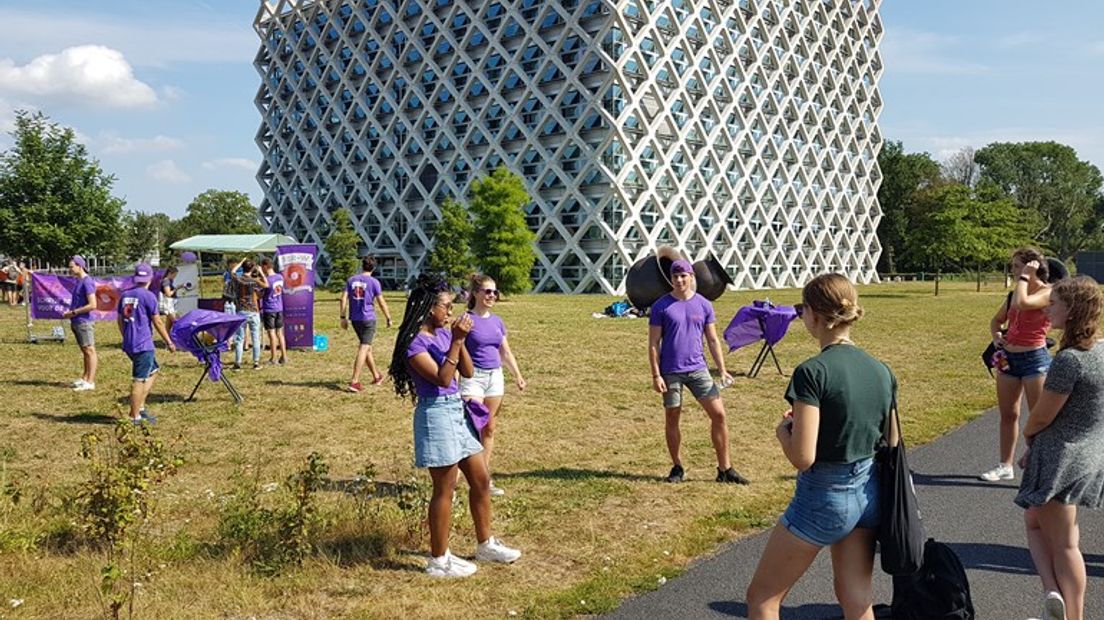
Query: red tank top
(1027, 328)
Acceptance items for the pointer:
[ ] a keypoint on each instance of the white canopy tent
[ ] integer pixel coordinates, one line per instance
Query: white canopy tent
(223, 244)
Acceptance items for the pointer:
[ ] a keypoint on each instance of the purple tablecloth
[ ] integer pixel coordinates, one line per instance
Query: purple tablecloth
(219, 325)
(761, 320)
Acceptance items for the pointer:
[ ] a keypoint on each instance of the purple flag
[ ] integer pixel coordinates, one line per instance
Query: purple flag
(761, 320)
(296, 264)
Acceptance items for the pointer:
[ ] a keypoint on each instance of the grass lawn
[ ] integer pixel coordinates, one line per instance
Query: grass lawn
(580, 454)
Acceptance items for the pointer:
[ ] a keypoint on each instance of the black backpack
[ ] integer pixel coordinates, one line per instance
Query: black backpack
(939, 590)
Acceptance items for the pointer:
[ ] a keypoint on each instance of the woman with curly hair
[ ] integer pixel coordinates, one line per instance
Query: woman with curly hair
(427, 356)
(489, 349)
(1064, 464)
(1023, 346)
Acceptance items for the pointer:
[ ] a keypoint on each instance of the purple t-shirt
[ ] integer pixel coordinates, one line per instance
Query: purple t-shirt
(137, 308)
(274, 294)
(85, 286)
(437, 346)
(362, 291)
(683, 323)
(484, 340)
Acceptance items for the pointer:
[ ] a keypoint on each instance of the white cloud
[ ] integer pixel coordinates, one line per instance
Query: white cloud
(242, 163)
(86, 74)
(148, 42)
(110, 144)
(910, 51)
(167, 171)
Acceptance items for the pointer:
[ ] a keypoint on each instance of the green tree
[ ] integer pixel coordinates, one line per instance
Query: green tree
(502, 242)
(1058, 192)
(341, 245)
(219, 212)
(952, 226)
(55, 200)
(903, 176)
(452, 238)
(144, 233)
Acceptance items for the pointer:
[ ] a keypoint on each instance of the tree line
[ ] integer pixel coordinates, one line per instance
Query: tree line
(969, 212)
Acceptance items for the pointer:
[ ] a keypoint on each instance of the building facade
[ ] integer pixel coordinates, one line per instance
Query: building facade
(742, 128)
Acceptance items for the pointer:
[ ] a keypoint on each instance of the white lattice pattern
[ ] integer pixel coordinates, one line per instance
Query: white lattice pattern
(746, 129)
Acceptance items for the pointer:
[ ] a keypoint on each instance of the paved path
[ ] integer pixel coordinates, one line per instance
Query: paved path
(977, 519)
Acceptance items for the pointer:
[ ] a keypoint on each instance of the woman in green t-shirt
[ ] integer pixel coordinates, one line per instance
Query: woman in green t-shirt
(841, 399)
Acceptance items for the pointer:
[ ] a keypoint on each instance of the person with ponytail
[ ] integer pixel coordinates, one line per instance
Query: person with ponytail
(1024, 351)
(1063, 467)
(428, 354)
(489, 349)
(841, 401)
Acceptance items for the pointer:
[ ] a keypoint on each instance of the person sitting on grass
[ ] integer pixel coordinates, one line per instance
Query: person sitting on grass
(675, 328)
(428, 354)
(1063, 467)
(137, 318)
(361, 292)
(272, 312)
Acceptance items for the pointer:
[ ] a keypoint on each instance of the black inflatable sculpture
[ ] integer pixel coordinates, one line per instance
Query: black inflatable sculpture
(649, 278)
(1056, 270)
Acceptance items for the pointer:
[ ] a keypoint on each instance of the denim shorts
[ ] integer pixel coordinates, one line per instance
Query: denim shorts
(483, 383)
(700, 383)
(1027, 363)
(831, 500)
(443, 436)
(143, 365)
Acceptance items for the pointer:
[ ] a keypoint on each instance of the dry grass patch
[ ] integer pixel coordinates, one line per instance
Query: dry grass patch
(580, 454)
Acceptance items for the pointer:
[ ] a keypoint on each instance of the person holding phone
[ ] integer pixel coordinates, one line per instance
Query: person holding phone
(248, 286)
(490, 349)
(1019, 330)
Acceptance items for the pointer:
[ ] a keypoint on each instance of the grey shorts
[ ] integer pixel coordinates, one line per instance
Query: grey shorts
(365, 331)
(85, 333)
(700, 383)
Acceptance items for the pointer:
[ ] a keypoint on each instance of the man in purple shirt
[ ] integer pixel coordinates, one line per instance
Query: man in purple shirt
(361, 292)
(675, 328)
(137, 318)
(272, 312)
(79, 314)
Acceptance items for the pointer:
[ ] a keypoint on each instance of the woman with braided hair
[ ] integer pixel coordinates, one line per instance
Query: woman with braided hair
(427, 356)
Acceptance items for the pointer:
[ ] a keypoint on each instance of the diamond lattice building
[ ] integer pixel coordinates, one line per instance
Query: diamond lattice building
(746, 129)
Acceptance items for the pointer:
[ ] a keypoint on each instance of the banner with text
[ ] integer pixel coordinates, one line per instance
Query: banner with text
(51, 294)
(296, 263)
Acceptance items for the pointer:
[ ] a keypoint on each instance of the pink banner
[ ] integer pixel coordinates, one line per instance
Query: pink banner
(51, 295)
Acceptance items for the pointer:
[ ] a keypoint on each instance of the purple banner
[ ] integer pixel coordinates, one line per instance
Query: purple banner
(51, 295)
(296, 263)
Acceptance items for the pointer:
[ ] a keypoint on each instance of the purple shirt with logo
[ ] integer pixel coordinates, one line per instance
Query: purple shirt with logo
(85, 286)
(683, 323)
(362, 291)
(137, 307)
(484, 340)
(437, 346)
(274, 294)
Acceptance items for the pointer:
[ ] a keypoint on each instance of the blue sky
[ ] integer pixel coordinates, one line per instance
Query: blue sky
(161, 91)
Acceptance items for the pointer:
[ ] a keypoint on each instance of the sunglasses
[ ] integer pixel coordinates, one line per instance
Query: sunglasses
(799, 309)
(489, 291)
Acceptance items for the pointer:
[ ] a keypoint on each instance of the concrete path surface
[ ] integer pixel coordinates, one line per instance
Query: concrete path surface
(977, 519)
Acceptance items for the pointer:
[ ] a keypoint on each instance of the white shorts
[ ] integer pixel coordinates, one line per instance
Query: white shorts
(483, 383)
(166, 306)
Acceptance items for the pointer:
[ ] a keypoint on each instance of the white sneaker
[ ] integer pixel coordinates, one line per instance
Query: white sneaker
(1000, 472)
(495, 491)
(78, 383)
(1054, 607)
(85, 387)
(494, 551)
(447, 566)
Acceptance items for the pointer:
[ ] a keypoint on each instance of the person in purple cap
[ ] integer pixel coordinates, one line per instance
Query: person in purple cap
(272, 312)
(137, 318)
(80, 321)
(675, 328)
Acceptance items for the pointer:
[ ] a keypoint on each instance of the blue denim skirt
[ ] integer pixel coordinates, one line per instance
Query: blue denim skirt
(831, 500)
(443, 436)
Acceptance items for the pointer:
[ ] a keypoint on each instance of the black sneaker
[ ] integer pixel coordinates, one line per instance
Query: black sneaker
(676, 475)
(237, 366)
(731, 476)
